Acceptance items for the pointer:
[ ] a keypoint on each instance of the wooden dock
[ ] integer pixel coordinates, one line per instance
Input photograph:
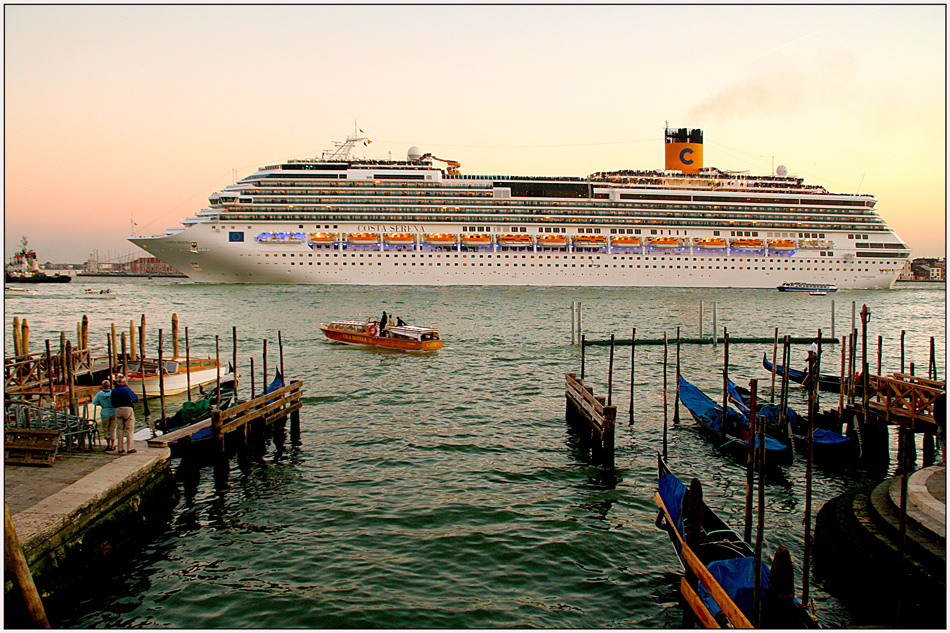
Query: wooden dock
(592, 420)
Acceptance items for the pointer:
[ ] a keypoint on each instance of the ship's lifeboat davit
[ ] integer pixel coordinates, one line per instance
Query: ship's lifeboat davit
(552, 241)
(710, 243)
(320, 238)
(514, 240)
(665, 243)
(625, 241)
(780, 246)
(476, 239)
(400, 239)
(440, 239)
(363, 239)
(589, 241)
(747, 245)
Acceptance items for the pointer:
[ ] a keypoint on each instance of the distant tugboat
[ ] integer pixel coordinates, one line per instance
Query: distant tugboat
(24, 269)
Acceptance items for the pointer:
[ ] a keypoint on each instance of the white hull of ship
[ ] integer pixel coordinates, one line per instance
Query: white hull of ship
(218, 260)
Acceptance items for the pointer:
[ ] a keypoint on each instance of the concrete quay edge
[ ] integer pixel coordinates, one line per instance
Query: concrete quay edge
(923, 508)
(78, 502)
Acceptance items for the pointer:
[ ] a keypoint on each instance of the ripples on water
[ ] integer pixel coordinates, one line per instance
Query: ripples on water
(442, 490)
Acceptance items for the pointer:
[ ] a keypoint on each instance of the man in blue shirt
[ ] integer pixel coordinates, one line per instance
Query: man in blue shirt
(122, 399)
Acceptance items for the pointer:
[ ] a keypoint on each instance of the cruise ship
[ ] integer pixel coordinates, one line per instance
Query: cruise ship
(421, 221)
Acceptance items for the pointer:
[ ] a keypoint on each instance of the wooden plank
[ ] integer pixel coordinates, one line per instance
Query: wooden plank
(186, 431)
(250, 404)
(277, 415)
(228, 424)
(705, 618)
(729, 608)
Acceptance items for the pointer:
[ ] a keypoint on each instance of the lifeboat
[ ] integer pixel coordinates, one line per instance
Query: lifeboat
(400, 239)
(747, 245)
(782, 245)
(625, 241)
(589, 241)
(666, 243)
(440, 239)
(552, 241)
(320, 238)
(710, 243)
(363, 239)
(514, 240)
(476, 239)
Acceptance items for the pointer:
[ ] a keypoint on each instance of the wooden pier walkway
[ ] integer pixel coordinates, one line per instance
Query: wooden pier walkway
(591, 419)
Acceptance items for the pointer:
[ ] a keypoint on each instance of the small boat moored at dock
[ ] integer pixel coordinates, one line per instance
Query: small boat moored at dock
(403, 337)
(176, 375)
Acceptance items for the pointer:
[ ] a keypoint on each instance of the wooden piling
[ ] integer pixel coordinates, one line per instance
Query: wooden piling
(774, 354)
(161, 382)
(725, 375)
(49, 375)
(174, 335)
(582, 356)
(815, 370)
(633, 337)
(25, 338)
(69, 378)
(264, 383)
(18, 572)
(142, 355)
(665, 350)
(187, 364)
(132, 349)
(280, 347)
(17, 340)
(760, 526)
(610, 372)
(234, 356)
(217, 375)
(676, 400)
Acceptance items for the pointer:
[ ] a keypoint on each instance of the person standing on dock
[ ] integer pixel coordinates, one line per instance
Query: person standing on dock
(122, 399)
(104, 399)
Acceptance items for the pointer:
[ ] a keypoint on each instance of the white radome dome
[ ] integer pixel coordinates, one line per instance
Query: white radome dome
(781, 170)
(414, 153)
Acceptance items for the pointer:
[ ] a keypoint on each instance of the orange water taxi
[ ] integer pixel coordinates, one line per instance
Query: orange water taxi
(400, 239)
(782, 245)
(747, 245)
(363, 239)
(665, 243)
(404, 337)
(440, 239)
(710, 243)
(476, 239)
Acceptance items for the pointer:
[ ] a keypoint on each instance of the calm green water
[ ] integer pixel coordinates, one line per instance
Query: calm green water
(443, 490)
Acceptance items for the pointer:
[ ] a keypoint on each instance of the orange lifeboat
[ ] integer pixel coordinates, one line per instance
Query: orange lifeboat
(552, 241)
(514, 240)
(363, 239)
(782, 245)
(747, 245)
(440, 239)
(665, 243)
(476, 239)
(320, 238)
(589, 241)
(625, 241)
(710, 243)
(400, 239)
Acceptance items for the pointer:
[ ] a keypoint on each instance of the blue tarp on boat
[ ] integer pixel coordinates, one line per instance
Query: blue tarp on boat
(771, 414)
(708, 411)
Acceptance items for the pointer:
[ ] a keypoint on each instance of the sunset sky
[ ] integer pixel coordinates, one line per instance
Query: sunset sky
(122, 113)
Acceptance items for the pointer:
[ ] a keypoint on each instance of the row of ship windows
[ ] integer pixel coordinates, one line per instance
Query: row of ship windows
(541, 221)
(359, 188)
(793, 268)
(582, 257)
(473, 206)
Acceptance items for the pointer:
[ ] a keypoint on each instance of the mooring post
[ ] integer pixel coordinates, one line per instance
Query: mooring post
(902, 441)
(252, 377)
(264, 387)
(750, 464)
(579, 328)
(844, 345)
(145, 410)
(760, 524)
(582, 357)
(133, 352)
(573, 339)
(902, 351)
(220, 455)
(880, 346)
(244, 457)
(665, 350)
(774, 354)
(161, 383)
(933, 361)
(633, 348)
(715, 324)
(676, 400)
(174, 335)
(700, 319)
(217, 375)
(833, 319)
(234, 356)
(187, 364)
(18, 571)
(69, 378)
(295, 427)
(725, 375)
(610, 373)
(812, 413)
(49, 376)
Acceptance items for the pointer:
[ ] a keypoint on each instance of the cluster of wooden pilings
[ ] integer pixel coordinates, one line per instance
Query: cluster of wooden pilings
(866, 402)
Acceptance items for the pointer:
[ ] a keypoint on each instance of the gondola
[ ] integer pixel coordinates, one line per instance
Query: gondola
(831, 448)
(729, 560)
(733, 435)
(826, 382)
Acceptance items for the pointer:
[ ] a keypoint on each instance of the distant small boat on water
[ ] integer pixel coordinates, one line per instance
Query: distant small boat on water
(18, 292)
(89, 293)
(403, 337)
(800, 286)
